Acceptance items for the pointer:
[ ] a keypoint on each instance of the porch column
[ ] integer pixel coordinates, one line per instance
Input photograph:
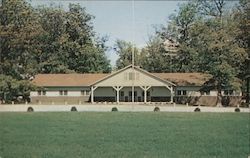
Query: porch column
(145, 88)
(171, 94)
(92, 93)
(117, 88)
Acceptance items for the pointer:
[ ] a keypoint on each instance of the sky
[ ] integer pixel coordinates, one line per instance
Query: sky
(131, 21)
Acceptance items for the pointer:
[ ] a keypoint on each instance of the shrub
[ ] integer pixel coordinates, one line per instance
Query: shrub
(237, 110)
(156, 109)
(73, 108)
(114, 109)
(30, 109)
(197, 110)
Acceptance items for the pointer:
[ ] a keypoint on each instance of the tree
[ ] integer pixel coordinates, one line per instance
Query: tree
(12, 89)
(207, 37)
(241, 16)
(124, 50)
(46, 40)
(19, 29)
(70, 44)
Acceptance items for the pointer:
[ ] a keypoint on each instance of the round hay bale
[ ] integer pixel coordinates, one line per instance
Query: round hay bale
(157, 109)
(73, 108)
(114, 109)
(197, 110)
(237, 110)
(30, 109)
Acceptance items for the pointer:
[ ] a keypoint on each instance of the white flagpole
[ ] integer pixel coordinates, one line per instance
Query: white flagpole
(133, 50)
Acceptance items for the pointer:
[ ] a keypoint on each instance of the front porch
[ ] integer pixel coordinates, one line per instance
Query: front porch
(132, 94)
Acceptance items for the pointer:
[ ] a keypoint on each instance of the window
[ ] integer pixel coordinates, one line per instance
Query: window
(228, 92)
(122, 93)
(148, 93)
(207, 92)
(44, 92)
(61, 92)
(131, 76)
(137, 76)
(125, 76)
(231, 92)
(39, 92)
(202, 93)
(178, 92)
(65, 92)
(184, 92)
(82, 92)
(130, 93)
(87, 92)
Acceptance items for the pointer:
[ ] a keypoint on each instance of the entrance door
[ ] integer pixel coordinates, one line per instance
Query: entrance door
(130, 96)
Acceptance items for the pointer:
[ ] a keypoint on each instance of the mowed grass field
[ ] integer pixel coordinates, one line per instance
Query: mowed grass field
(124, 135)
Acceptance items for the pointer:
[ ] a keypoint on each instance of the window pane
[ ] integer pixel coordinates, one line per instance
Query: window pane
(65, 92)
(231, 92)
(184, 92)
(208, 93)
(225, 92)
(87, 92)
(131, 76)
(148, 93)
(44, 92)
(122, 93)
(130, 93)
(39, 92)
(61, 92)
(178, 92)
(82, 92)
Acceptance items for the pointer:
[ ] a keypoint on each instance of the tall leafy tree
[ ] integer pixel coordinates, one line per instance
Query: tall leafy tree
(70, 44)
(46, 40)
(207, 36)
(124, 51)
(19, 30)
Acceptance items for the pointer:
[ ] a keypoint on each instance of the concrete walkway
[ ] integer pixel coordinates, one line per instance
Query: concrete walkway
(122, 108)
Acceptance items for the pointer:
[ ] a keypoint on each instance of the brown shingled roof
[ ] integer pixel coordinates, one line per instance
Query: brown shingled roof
(66, 79)
(184, 79)
(77, 80)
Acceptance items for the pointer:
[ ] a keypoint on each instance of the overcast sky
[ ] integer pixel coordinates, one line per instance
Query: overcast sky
(115, 18)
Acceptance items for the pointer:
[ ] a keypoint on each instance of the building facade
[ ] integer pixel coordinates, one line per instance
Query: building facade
(130, 84)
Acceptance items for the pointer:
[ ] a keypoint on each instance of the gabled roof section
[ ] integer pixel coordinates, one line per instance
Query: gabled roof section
(137, 68)
(67, 80)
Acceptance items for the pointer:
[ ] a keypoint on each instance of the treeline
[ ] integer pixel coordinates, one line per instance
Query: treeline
(45, 40)
(207, 36)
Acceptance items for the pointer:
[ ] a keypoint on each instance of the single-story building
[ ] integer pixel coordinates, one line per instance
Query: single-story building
(130, 84)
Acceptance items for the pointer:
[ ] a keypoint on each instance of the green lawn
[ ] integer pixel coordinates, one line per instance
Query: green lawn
(120, 134)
